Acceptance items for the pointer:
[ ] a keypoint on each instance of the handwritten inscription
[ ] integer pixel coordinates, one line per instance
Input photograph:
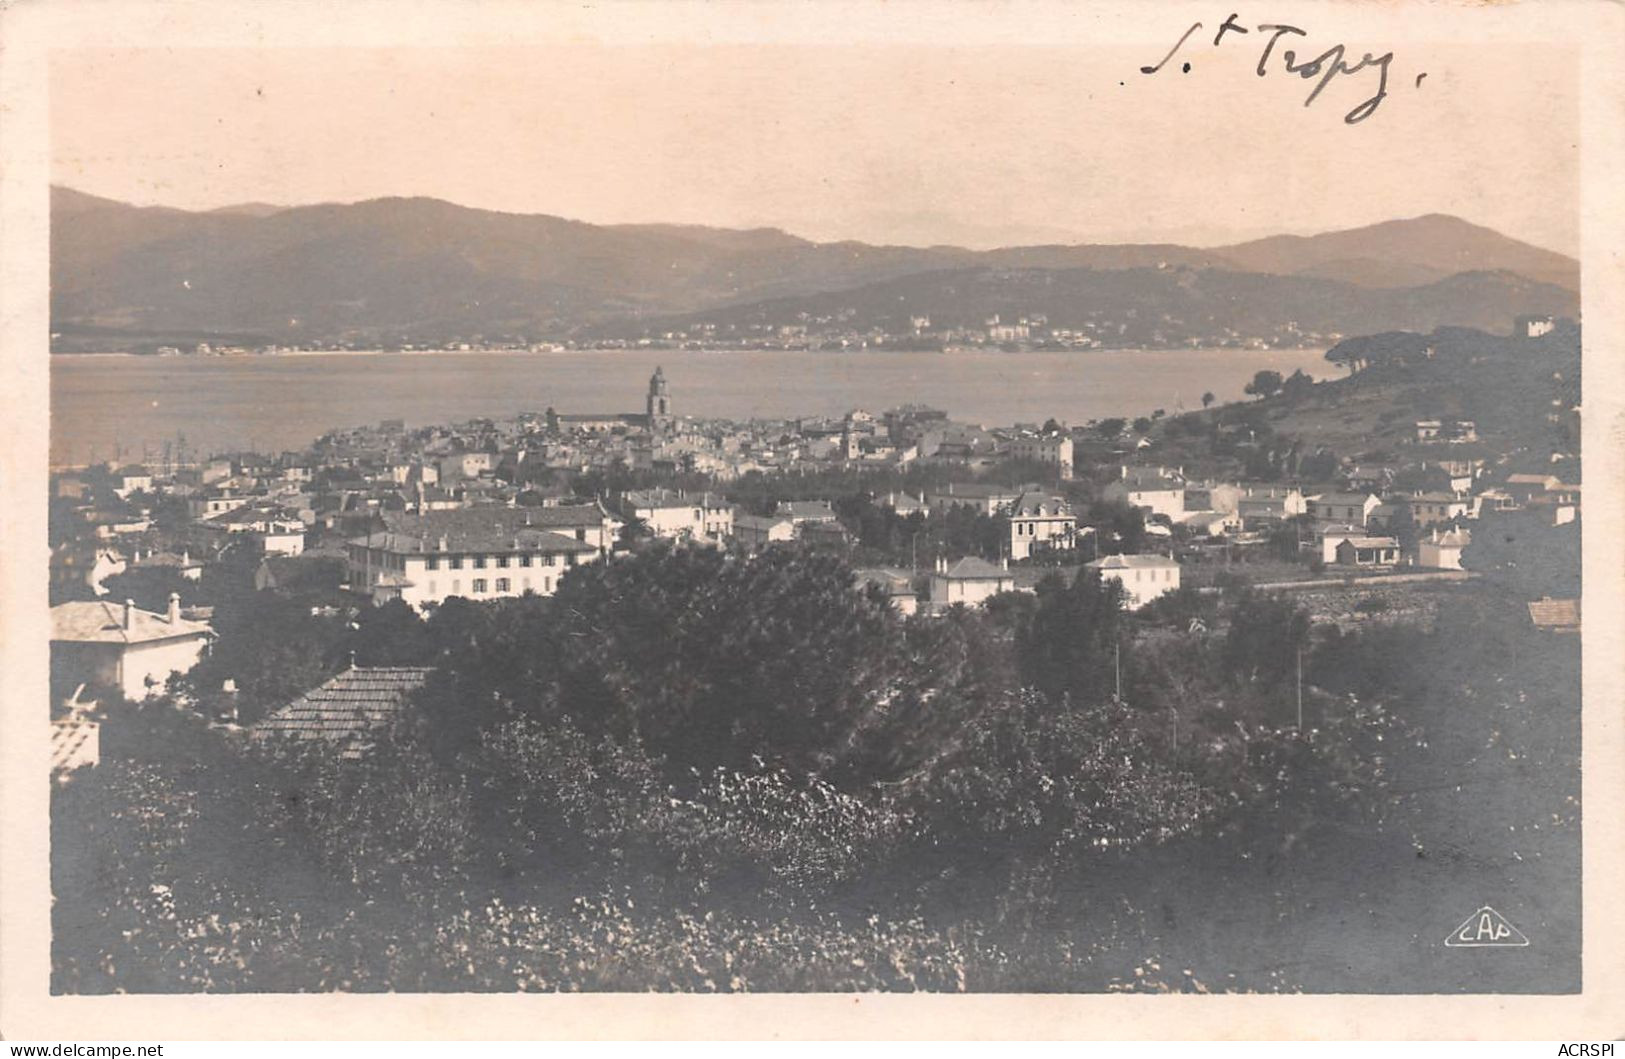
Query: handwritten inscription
(1323, 69)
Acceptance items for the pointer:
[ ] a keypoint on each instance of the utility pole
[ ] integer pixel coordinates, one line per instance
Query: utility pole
(1300, 688)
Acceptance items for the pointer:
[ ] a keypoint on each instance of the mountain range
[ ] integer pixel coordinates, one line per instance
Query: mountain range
(421, 269)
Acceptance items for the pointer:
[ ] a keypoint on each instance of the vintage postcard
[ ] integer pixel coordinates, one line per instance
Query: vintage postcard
(927, 519)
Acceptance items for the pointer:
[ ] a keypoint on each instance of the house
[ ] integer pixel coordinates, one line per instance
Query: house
(349, 712)
(1054, 450)
(756, 532)
(1328, 536)
(1432, 509)
(467, 465)
(183, 564)
(305, 574)
(282, 538)
(676, 514)
(1267, 502)
(802, 512)
(986, 499)
(1143, 577)
(1442, 551)
(1151, 490)
(1555, 615)
(129, 480)
(1036, 522)
(476, 553)
(904, 505)
(1353, 508)
(896, 585)
(122, 646)
(970, 581)
(1211, 496)
(1211, 523)
(1367, 551)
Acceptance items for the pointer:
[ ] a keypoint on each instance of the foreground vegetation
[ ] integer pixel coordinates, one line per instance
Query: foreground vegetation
(696, 772)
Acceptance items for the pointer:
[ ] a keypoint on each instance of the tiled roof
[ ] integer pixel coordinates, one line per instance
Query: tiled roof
(349, 709)
(103, 622)
(1132, 562)
(663, 498)
(491, 529)
(75, 741)
(971, 568)
(1031, 505)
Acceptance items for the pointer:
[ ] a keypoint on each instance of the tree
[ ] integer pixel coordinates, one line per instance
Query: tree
(1265, 637)
(1264, 384)
(1067, 648)
(1207, 398)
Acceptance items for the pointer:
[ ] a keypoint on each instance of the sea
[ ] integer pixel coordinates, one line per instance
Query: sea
(120, 407)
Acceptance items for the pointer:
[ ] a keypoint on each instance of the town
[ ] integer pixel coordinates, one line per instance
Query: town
(929, 512)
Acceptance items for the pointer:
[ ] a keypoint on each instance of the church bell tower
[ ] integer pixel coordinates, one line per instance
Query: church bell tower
(659, 403)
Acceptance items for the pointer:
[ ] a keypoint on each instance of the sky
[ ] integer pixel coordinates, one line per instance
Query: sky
(992, 144)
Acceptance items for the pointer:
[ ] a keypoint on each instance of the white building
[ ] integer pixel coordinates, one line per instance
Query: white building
(123, 646)
(283, 539)
(756, 532)
(477, 553)
(1036, 522)
(679, 514)
(1442, 551)
(1143, 577)
(1052, 449)
(1155, 492)
(1352, 508)
(970, 581)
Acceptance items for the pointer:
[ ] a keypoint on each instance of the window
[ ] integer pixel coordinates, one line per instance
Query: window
(431, 588)
(570, 560)
(432, 562)
(456, 563)
(549, 560)
(547, 584)
(502, 584)
(502, 561)
(479, 562)
(479, 585)
(456, 587)
(581, 534)
(524, 560)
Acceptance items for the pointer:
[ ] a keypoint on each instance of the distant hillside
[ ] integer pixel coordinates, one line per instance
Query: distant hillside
(1155, 307)
(1439, 244)
(425, 269)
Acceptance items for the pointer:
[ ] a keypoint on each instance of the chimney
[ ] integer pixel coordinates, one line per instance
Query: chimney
(129, 613)
(1004, 562)
(174, 607)
(444, 544)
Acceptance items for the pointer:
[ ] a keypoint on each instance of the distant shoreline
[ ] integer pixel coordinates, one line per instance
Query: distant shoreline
(951, 351)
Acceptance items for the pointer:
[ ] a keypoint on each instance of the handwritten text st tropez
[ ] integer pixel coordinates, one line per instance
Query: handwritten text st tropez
(1326, 66)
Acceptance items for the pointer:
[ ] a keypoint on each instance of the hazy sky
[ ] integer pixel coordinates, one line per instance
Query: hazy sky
(986, 145)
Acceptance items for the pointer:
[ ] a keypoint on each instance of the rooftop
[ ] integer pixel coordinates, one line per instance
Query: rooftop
(1132, 562)
(348, 709)
(104, 622)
